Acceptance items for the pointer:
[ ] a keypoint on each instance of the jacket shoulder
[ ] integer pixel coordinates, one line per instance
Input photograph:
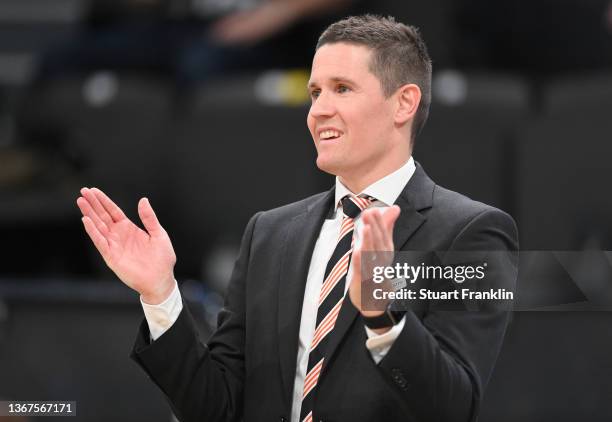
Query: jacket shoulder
(285, 213)
(458, 207)
(458, 212)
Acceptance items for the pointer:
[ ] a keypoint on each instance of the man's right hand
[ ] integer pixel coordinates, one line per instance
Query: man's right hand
(143, 260)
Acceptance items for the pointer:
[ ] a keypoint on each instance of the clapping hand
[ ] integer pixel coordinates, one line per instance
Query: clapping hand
(142, 259)
(376, 236)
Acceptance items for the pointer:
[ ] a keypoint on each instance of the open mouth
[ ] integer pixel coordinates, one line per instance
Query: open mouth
(329, 135)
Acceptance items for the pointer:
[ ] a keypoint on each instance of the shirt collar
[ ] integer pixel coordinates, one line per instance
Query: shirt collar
(385, 190)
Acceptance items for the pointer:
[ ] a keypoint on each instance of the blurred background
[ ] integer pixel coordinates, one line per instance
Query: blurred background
(200, 105)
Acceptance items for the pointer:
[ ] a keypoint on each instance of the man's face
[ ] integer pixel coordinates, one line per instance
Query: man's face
(349, 119)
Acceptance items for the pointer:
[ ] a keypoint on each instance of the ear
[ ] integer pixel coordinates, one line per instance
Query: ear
(408, 100)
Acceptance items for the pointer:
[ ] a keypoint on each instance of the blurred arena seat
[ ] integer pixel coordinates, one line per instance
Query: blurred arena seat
(27, 27)
(115, 128)
(563, 169)
(467, 142)
(590, 93)
(36, 193)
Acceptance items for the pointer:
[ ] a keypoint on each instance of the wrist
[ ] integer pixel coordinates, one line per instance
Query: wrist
(376, 309)
(159, 295)
(383, 321)
(372, 314)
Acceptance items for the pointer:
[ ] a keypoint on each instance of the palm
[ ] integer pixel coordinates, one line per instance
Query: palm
(143, 260)
(134, 255)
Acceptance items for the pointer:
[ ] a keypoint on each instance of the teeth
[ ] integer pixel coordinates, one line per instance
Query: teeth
(326, 134)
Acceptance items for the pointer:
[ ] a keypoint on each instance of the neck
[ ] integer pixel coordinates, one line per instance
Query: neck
(357, 181)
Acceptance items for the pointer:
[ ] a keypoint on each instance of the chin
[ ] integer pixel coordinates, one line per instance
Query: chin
(327, 165)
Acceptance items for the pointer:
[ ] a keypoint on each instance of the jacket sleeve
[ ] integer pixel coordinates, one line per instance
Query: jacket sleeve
(442, 360)
(203, 382)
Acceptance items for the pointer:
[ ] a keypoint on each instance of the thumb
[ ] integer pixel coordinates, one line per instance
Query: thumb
(148, 217)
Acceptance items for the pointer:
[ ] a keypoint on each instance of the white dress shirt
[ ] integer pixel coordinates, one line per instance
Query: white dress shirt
(386, 191)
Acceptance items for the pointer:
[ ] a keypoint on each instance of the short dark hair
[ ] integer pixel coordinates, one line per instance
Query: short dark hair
(399, 55)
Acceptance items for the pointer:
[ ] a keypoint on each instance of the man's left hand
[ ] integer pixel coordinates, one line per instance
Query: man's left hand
(376, 236)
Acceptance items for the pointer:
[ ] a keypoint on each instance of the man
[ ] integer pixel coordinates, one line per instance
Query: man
(282, 350)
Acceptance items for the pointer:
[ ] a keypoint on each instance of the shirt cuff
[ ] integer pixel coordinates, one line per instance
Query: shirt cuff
(161, 317)
(379, 344)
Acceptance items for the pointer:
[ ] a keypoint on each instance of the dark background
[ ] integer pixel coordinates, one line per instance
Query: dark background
(521, 119)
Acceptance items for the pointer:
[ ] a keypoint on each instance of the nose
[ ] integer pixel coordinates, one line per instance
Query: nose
(322, 106)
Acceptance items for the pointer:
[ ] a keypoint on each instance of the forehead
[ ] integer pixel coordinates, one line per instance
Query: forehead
(340, 61)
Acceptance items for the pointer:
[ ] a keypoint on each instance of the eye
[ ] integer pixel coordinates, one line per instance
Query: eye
(314, 93)
(343, 89)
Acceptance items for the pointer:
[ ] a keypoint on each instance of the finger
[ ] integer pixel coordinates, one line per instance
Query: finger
(111, 208)
(355, 286)
(378, 235)
(365, 223)
(96, 206)
(390, 216)
(385, 233)
(366, 261)
(148, 217)
(367, 243)
(97, 238)
(356, 261)
(86, 210)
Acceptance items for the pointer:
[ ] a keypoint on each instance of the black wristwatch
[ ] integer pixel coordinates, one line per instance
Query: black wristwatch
(388, 319)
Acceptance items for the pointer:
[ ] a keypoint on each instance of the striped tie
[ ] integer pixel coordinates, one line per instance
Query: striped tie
(330, 299)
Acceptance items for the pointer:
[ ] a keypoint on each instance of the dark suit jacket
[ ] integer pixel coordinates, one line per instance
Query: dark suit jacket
(435, 371)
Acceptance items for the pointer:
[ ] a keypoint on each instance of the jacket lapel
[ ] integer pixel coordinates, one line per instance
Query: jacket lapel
(416, 196)
(300, 237)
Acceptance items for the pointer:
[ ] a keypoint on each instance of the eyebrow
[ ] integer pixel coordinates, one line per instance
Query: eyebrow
(334, 79)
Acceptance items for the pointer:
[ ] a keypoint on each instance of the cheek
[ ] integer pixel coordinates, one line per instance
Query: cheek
(375, 121)
(361, 121)
(368, 130)
(310, 122)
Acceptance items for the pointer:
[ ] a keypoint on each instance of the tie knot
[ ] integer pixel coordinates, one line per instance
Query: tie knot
(353, 205)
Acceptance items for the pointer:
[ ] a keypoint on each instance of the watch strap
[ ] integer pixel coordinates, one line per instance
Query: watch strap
(380, 321)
